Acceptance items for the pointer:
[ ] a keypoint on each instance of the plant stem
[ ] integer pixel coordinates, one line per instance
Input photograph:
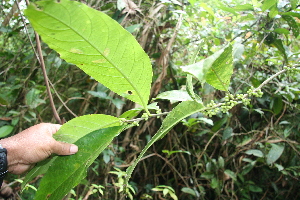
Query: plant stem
(142, 118)
(267, 81)
(39, 48)
(39, 56)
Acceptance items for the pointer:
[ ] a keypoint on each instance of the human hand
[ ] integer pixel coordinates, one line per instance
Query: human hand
(33, 145)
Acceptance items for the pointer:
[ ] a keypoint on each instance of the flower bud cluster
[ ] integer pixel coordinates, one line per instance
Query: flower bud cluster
(255, 92)
(230, 101)
(158, 112)
(243, 98)
(292, 70)
(135, 123)
(212, 109)
(145, 116)
(123, 121)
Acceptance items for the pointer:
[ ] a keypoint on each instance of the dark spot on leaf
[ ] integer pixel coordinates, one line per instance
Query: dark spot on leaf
(48, 196)
(58, 1)
(129, 92)
(39, 7)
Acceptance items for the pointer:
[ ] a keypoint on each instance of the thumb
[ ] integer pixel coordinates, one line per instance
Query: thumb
(61, 148)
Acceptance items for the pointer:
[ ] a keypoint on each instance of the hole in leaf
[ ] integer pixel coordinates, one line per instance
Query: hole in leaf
(39, 8)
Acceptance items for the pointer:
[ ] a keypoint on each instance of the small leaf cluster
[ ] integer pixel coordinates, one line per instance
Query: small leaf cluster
(166, 190)
(126, 188)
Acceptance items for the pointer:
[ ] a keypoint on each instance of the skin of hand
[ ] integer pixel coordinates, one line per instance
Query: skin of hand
(33, 145)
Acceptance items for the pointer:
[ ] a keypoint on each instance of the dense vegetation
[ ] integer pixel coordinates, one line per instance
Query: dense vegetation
(249, 151)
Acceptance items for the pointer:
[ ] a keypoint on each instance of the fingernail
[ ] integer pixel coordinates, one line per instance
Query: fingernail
(73, 149)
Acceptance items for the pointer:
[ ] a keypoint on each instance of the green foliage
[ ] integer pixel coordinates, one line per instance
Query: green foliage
(65, 173)
(125, 188)
(166, 190)
(181, 111)
(72, 131)
(234, 64)
(267, 4)
(80, 126)
(114, 59)
(274, 153)
(215, 70)
(174, 96)
(6, 130)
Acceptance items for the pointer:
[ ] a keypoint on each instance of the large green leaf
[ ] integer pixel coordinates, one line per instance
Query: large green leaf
(216, 69)
(66, 172)
(200, 69)
(181, 111)
(221, 70)
(72, 131)
(80, 126)
(95, 43)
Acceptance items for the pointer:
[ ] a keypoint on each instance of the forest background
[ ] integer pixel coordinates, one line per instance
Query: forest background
(250, 152)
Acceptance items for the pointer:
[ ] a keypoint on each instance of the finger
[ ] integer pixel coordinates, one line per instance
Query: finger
(61, 148)
(19, 168)
(53, 128)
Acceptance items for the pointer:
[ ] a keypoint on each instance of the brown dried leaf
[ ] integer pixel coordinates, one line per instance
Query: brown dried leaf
(130, 7)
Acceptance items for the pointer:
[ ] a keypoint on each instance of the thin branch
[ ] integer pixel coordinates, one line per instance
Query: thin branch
(143, 118)
(238, 35)
(267, 81)
(42, 63)
(171, 166)
(39, 48)
(27, 33)
(217, 105)
(207, 144)
(64, 104)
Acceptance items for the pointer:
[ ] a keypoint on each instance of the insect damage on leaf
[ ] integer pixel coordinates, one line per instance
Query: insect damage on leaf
(77, 51)
(99, 61)
(106, 52)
